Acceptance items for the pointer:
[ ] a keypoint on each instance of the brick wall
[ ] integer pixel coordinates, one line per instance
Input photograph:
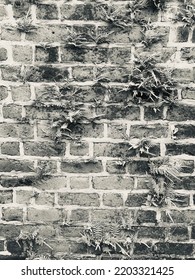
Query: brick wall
(97, 179)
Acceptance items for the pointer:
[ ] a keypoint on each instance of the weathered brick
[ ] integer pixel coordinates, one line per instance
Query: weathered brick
(10, 232)
(185, 75)
(3, 12)
(154, 131)
(12, 111)
(81, 73)
(94, 131)
(84, 54)
(188, 54)
(8, 165)
(151, 114)
(10, 148)
(20, 8)
(136, 200)
(21, 93)
(138, 167)
(24, 196)
(193, 232)
(8, 130)
(79, 149)
(113, 182)
(188, 93)
(113, 150)
(22, 54)
(182, 34)
(151, 232)
(82, 166)
(116, 112)
(147, 216)
(12, 214)
(79, 216)
(10, 34)
(3, 54)
(53, 183)
(44, 198)
(174, 248)
(3, 92)
(47, 11)
(187, 183)
(49, 33)
(182, 216)
(117, 131)
(46, 74)
(44, 149)
(181, 112)
(145, 183)
(78, 12)
(178, 233)
(111, 216)
(116, 74)
(11, 73)
(112, 199)
(81, 199)
(47, 54)
(6, 196)
(44, 215)
(116, 167)
(184, 131)
(25, 131)
(119, 55)
(79, 182)
(72, 230)
(141, 249)
(2, 245)
(179, 149)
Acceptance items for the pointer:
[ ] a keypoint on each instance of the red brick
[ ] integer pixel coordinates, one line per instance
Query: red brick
(44, 149)
(10, 148)
(12, 214)
(113, 199)
(82, 166)
(6, 196)
(81, 199)
(113, 182)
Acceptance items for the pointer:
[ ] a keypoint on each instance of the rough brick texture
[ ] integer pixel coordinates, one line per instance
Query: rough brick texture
(61, 180)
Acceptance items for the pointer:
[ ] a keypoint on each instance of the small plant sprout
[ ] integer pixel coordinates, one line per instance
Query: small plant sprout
(142, 147)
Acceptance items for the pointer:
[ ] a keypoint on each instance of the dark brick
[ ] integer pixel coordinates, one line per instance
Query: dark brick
(111, 216)
(141, 248)
(147, 216)
(182, 216)
(178, 233)
(179, 149)
(136, 200)
(82, 166)
(174, 248)
(44, 149)
(113, 182)
(119, 56)
(128, 113)
(151, 232)
(151, 114)
(193, 232)
(186, 183)
(46, 74)
(81, 199)
(181, 112)
(185, 131)
(78, 12)
(10, 148)
(188, 54)
(182, 34)
(46, 11)
(117, 131)
(138, 167)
